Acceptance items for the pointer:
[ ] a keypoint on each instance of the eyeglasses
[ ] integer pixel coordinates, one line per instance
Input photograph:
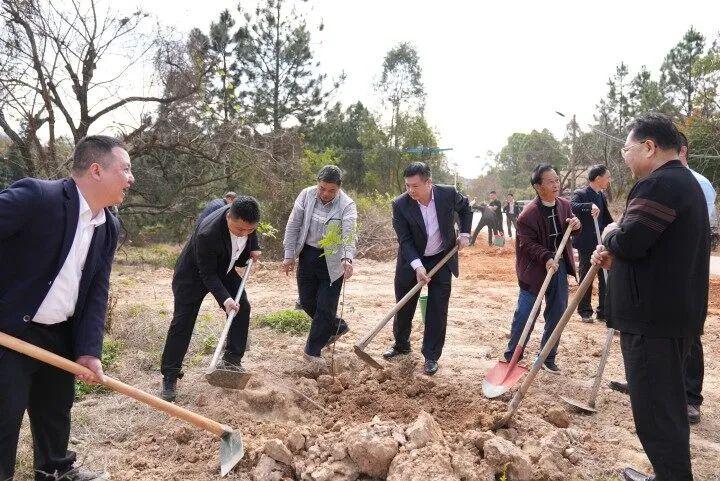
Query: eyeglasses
(624, 150)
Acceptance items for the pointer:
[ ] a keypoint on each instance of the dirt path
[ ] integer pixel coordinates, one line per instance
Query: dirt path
(134, 443)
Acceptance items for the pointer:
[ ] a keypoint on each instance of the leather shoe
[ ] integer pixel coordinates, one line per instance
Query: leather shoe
(633, 475)
(83, 474)
(693, 413)
(394, 351)
(341, 331)
(431, 367)
(619, 386)
(169, 390)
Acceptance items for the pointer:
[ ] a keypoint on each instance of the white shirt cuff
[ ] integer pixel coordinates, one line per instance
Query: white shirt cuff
(416, 263)
(465, 234)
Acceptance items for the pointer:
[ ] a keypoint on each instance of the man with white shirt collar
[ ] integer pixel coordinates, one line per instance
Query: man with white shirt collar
(224, 240)
(57, 243)
(423, 219)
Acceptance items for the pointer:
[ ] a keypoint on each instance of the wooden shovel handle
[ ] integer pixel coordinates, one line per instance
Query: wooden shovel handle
(153, 401)
(369, 337)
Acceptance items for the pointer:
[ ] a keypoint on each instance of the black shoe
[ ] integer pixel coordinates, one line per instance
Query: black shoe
(633, 475)
(693, 413)
(551, 367)
(431, 367)
(298, 306)
(344, 329)
(619, 386)
(393, 351)
(83, 474)
(169, 390)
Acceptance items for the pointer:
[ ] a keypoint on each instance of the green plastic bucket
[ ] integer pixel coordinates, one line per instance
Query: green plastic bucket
(423, 306)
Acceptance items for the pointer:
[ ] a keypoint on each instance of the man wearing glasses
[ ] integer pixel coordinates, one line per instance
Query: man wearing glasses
(658, 261)
(317, 211)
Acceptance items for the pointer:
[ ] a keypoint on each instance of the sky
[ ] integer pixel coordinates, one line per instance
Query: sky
(489, 69)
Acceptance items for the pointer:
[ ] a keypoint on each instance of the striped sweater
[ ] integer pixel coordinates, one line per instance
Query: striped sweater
(658, 282)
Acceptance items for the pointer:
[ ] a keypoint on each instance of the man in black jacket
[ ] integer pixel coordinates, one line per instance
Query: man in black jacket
(214, 205)
(589, 204)
(658, 256)
(224, 241)
(496, 206)
(487, 219)
(57, 244)
(512, 210)
(423, 219)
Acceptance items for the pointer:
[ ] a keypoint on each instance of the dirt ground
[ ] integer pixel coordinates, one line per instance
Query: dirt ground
(133, 442)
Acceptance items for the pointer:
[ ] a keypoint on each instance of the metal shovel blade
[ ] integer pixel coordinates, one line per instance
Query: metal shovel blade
(586, 408)
(228, 379)
(367, 358)
(501, 378)
(231, 451)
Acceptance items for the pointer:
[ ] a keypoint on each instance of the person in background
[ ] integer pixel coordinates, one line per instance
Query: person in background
(496, 207)
(487, 219)
(214, 205)
(590, 204)
(512, 211)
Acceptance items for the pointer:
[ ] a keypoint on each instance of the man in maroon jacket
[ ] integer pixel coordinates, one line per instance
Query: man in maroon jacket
(540, 229)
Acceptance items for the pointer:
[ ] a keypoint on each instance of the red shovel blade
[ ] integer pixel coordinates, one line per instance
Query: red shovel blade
(503, 376)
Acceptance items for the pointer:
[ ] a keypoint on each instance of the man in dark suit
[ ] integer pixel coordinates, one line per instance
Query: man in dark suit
(487, 219)
(588, 204)
(214, 205)
(512, 210)
(496, 206)
(57, 243)
(223, 241)
(423, 219)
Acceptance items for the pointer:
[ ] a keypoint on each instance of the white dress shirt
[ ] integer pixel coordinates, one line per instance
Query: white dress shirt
(432, 228)
(238, 245)
(59, 303)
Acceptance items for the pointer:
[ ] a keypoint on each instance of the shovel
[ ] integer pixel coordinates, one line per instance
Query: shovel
(540, 360)
(590, 406)
(231, 444)
(503, 375)
(362, 343)
(229, 379)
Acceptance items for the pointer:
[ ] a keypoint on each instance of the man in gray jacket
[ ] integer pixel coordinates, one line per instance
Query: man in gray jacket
(320, 233)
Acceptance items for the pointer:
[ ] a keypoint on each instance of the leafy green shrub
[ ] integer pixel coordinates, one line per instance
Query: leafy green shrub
(287, 320)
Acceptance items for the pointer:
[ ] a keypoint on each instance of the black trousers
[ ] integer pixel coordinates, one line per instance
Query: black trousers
(435, 313)
(655, 370)
(47, 393)
(483, 223)
(319, 298)
(694, 373)
(585, 305)
(181, 329)
(499, 224)
(511, 222)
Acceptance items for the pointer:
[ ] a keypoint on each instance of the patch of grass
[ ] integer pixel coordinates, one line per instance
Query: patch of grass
(156, 255)
(208, 344)
(133, 310)
(110, 354)
(288, 320)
